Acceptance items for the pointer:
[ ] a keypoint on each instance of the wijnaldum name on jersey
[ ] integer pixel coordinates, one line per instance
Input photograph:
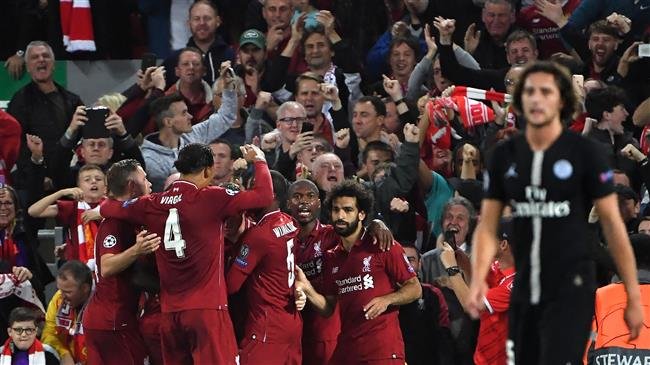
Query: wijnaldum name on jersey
(284, 229)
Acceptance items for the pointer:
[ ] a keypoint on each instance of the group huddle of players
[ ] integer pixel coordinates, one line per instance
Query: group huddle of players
(272, 269)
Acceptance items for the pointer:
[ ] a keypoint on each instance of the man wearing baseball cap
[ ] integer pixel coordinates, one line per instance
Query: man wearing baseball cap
(252, 57)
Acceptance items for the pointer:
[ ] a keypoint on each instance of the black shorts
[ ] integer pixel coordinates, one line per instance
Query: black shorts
(553, 332)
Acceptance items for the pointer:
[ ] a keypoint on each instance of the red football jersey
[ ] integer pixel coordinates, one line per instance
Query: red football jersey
(493, 333)
(309, 257)
(356, 278)
(545, 31)
(267, 259)
(114, 304)
(190, 222)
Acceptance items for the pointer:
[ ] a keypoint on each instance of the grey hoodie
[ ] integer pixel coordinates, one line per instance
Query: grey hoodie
(160, 159)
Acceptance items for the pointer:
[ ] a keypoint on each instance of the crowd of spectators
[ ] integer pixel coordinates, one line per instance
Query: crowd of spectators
(405, 96)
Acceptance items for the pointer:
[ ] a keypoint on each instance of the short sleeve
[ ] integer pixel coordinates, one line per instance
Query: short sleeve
(329, 284)
(397, 265)
(492, 177)
(497, 299)
(108, 240)
(251, 252)
(599, 177)
(440, 185)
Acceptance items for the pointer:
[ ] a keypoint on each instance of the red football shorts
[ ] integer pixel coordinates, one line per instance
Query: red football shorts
(115, 347)
(254, 352)
(150, 331)
(198, 336)
(317, 352)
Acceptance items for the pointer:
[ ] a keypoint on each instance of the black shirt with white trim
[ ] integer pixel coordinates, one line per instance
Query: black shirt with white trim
(551, 194)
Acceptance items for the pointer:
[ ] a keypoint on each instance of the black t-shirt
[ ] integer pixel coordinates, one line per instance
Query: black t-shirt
(551, 193)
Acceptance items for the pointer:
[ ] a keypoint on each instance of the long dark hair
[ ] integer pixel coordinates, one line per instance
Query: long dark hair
(562, 80)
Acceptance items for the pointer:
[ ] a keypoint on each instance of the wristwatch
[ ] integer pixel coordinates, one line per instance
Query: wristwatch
(453, 270)
(20, 53)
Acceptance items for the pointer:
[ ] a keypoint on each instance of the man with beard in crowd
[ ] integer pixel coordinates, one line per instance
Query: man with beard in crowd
(203, 21)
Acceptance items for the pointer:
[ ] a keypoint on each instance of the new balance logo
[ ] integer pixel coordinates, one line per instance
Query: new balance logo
(368, 282)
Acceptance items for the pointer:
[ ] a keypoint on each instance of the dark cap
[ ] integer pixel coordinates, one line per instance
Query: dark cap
(254, 37)
(505, 228)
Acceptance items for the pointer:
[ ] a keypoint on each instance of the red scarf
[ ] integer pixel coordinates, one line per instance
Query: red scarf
(645, 147)
(69, 325)
(35, 351)
(86, 233)
(77, 25)
(9, 248)
(480, 94)
(9, 285)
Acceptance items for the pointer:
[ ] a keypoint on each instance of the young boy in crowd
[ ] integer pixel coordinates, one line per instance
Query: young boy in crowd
(89, 193)
(22, 346)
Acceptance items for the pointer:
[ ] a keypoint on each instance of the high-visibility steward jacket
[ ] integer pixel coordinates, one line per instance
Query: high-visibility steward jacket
(609, 339)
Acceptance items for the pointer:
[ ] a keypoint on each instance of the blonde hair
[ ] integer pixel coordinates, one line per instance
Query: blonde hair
(111, 101)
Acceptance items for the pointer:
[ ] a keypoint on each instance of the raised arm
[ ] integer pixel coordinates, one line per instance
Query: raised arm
(261, 194)
(131, 210)
(218, 123)
(47, 208)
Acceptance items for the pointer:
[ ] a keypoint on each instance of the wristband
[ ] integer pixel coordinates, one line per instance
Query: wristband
(38, 161)
(453, 270)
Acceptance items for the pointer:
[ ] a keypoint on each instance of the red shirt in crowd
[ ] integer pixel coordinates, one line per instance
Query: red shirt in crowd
(267, 259)
(190, 221)
(309, 257)
(493, 333)
(114, 304)
(79, 233)
(10, 132)
(545, 31)
(357, 277)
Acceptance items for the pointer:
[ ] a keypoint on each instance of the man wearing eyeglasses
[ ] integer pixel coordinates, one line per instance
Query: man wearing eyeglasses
(291, 117)
(22, 346)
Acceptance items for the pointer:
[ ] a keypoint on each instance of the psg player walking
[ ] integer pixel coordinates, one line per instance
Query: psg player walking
(550, 177)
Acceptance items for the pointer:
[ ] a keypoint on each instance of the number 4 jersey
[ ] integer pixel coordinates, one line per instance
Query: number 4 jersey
(190, 222)
(267, 259)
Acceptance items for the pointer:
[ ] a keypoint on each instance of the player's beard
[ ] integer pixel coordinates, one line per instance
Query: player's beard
(348, 230)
